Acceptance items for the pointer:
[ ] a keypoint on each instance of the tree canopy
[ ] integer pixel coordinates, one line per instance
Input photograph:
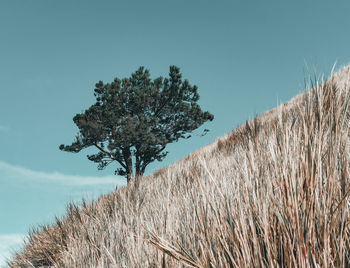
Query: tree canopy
(134, 119)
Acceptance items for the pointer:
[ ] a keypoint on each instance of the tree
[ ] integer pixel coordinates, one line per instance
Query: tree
(134, 119)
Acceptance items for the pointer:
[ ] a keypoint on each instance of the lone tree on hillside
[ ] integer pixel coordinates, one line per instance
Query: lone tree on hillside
(134, 119)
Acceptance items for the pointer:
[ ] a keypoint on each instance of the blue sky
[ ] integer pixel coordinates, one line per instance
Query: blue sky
(245, 57)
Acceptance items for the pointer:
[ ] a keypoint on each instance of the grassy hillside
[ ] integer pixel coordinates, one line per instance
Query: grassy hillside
(272, 193)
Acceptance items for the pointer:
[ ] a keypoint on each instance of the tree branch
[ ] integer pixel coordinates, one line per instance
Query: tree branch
(146, 163)
(161, 149)
(110, 155)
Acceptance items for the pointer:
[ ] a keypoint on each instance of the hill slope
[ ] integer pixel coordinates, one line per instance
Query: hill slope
(272, 193)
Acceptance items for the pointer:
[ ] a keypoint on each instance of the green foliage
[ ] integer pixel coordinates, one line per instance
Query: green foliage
(134, 119)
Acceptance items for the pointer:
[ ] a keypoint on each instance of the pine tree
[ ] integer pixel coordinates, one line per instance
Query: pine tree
(134, 119)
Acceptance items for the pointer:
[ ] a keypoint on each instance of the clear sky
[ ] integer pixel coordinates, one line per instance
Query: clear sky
(245, 57)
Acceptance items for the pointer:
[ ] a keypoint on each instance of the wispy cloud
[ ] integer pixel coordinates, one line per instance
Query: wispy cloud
(12, 171)
(9, 243)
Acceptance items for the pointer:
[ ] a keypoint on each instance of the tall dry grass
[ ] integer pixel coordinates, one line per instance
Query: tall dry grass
(273, 193)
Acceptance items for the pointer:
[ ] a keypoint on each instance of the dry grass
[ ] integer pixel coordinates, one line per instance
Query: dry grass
(273, 193)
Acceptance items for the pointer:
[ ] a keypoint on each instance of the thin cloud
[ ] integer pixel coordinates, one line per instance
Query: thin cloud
(8, 244)
(12, 171)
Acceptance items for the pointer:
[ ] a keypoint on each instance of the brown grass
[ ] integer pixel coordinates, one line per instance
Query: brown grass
(273, 193)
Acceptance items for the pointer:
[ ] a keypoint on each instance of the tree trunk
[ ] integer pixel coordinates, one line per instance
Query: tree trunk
(129, 177)
(128, 162)
(137, 165)
(140, 169)
(129, 174)
(138, 176)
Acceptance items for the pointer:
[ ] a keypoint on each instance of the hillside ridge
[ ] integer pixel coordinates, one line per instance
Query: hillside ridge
(271, 193)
